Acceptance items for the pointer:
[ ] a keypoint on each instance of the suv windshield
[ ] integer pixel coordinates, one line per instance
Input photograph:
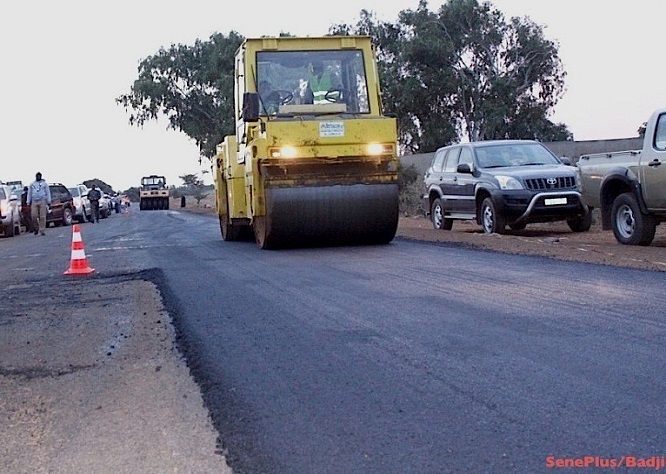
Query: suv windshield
(524, 154)
(285, 81)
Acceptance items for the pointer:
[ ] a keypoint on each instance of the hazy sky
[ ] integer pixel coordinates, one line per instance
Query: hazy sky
(65, 62)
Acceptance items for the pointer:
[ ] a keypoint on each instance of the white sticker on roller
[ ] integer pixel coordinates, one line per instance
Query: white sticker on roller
(331, 129)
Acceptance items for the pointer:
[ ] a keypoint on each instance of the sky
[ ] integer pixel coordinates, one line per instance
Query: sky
(65, 62)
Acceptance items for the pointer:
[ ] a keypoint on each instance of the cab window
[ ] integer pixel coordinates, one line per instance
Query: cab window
(660, 133)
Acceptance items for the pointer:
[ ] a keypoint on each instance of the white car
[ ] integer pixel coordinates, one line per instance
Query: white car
(104, 206)
(82, 209)
(10, 212)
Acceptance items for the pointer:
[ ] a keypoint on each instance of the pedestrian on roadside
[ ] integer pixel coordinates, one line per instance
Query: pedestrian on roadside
(26, 218)
(39, 200)
(94, 196)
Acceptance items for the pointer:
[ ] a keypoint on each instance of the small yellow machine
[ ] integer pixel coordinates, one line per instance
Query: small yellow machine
(154, 193)
(314, 160)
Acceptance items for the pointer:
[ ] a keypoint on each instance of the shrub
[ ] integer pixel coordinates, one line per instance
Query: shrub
(410, 189)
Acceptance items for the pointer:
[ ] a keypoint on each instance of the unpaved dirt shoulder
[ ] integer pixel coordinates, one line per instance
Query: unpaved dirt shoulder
(92, 382)
(553, 240)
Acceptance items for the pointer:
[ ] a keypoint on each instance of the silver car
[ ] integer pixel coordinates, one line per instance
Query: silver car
(82, 209)
(10, 212)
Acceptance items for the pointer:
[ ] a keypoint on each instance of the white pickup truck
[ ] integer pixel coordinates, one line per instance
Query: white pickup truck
(629, 187)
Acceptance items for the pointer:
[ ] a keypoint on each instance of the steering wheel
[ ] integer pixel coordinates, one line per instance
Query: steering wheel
(337, 95)
(280, 96)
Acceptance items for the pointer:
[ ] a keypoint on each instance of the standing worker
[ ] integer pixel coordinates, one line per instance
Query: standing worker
(39, 199)
(94, 196)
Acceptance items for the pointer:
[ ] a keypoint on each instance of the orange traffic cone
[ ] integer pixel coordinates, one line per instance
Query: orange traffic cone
(79, 263)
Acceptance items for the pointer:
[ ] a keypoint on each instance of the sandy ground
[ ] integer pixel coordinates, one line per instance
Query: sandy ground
(91, 382)
(553, 240)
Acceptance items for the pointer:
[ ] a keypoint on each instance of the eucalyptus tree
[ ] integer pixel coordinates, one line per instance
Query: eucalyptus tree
(464, 72)
(192, 86)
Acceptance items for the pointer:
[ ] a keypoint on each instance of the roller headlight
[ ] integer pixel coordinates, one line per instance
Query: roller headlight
(374, 149)
(284, 152)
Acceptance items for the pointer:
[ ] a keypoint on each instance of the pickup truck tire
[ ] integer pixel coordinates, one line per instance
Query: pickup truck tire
(491, 220)
(580, 224)
(10, 230)
(630, 226)
(437, 216)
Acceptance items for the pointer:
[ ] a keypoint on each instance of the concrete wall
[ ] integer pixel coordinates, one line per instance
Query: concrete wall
(571, 150)
(421, 161)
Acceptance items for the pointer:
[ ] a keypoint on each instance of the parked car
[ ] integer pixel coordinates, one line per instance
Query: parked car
(10, 212)
(82, 209)
(104, 206)
(503, 182)
(61, 211)
(116, 203)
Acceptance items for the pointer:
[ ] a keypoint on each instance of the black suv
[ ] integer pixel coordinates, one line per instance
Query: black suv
(503, 182)
(62, 205)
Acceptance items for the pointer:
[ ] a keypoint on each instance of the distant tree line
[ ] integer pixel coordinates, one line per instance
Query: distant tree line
(463, 71)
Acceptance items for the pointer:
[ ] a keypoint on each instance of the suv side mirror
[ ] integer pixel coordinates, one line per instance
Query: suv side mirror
(566, 160)
(463, 168)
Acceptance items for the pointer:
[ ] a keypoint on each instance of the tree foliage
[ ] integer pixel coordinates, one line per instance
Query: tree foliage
(191, 180)
(192, 86)
(195, 185)
(462, 71)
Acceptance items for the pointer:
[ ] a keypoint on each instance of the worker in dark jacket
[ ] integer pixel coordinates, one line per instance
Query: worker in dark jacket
(26, 218)
(94, 196)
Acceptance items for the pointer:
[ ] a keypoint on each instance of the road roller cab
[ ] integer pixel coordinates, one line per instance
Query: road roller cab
(313, 160)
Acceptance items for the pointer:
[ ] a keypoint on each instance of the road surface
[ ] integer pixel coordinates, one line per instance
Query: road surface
(409, 357)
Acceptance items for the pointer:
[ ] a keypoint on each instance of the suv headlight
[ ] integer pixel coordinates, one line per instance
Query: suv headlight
(508, 182)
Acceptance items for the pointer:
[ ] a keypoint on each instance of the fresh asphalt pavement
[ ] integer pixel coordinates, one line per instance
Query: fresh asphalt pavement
(407, 357)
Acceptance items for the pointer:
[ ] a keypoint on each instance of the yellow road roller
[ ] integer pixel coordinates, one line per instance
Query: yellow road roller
(313, 161)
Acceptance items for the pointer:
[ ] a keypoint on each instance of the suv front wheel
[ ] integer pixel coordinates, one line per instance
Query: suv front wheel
(491, 220)
(582, 223)
(67, 216)
(437, 216)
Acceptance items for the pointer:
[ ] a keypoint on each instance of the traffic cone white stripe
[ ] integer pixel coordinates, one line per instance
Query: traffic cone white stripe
(78, 254)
